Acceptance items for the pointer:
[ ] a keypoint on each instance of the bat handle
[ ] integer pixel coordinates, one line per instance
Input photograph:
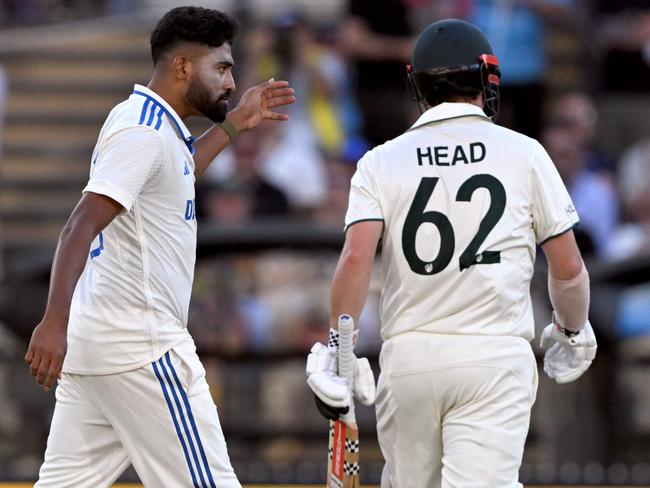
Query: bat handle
(346, 352)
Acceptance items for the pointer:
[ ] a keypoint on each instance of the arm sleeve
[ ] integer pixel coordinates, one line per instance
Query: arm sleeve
(570, 299)
(364, 202)
(553, 211)
(125, 164)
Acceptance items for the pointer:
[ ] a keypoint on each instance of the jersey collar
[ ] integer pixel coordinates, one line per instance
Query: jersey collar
(447, 111)
(176, 121)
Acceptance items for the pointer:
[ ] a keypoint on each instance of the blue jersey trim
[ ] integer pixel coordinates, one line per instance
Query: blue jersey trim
(144, 111)
(98, 250)
(188, 141)
(159, 123)
(151, 114)
(176, 426)
(191, 417)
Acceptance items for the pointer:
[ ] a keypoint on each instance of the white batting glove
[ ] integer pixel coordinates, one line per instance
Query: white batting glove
(364, 382)
(322, 378)
(569, 354)
(330, 388)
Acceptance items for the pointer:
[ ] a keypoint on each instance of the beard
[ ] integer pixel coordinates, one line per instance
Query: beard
(198, 95)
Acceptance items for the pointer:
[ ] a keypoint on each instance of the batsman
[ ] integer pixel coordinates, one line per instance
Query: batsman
(459, 205)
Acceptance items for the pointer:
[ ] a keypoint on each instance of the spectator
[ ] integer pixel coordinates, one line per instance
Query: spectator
(238, 192)
(377, 39)
(623, 31)
(625, 34)
(295, 151)
(568, 138)
(516, 30)
(633, 238)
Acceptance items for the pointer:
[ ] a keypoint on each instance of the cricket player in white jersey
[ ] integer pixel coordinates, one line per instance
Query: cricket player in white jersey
(132, 389)
(459, 205)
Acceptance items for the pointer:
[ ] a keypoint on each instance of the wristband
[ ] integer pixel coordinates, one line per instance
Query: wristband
(566, 332)
(229, 128)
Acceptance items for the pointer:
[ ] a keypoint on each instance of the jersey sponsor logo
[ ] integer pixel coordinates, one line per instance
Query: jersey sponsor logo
(190, 210)
(186, 171)
(445, 156)
(570, 209)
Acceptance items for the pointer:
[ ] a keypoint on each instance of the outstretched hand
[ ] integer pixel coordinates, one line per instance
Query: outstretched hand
(258, 102)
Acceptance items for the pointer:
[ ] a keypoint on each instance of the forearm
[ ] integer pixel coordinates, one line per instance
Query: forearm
(69, 262)
(350, 287)
(570, 299)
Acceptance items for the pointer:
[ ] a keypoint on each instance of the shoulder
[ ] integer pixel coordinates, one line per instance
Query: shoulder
(390, 149)
(132, 139)
(135, 112)
(516, 141)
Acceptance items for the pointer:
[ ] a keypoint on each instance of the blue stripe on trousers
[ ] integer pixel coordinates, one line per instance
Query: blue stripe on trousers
(186, 429)
(191, 417)
(178, 430)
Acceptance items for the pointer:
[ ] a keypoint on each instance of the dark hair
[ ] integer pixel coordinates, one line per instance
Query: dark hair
(451, 88)
(192, 24)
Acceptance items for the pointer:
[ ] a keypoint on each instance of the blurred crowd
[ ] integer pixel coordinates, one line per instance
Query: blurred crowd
(349, 81)
(15, 13)
(575, 75)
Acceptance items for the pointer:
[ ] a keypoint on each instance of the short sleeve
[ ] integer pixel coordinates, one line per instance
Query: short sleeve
(553, 211)
(364, 203)
(125, 163)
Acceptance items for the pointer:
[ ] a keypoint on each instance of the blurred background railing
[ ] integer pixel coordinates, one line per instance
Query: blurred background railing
(576, 76)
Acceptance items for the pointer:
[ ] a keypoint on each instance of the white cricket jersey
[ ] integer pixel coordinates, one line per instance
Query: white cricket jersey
(131, 302)
(464, 203)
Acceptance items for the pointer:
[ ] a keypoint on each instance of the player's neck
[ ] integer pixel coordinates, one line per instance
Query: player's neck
(477, 100)
(170, 94)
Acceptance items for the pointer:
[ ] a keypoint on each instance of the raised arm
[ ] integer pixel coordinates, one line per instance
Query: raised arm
(257, 104)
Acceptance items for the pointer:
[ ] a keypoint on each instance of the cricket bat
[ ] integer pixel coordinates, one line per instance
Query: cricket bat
(343, 451)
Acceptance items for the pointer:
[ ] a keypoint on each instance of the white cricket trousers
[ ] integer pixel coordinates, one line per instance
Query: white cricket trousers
(453, 411)
(161, 418)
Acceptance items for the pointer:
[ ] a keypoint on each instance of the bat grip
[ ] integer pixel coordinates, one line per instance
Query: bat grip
(346, 351)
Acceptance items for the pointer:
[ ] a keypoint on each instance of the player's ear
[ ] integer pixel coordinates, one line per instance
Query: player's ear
(181, 67)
